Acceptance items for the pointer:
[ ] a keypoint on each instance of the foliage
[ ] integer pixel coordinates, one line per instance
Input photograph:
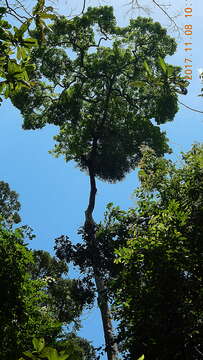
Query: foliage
(44, 352)
(158, 296)
(9, 211)
(16, 45)
(102, 97)
(45, 265)
(9, 205)
(67, 297)
(35, 298)
(109, 234)
(15, 289)
(77, 347)
(71, 349)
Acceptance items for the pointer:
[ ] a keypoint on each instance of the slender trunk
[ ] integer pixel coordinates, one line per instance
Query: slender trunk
(90, 228)
(111, 346)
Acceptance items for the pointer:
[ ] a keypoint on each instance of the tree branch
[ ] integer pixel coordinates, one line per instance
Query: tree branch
(84, 6)
(136, 4)
(23, 7)
(13, 13)
(188, 107)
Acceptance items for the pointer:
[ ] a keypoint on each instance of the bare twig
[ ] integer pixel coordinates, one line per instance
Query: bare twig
(167, 15)
(135, 4)
(23, 7)
(14, 13)
(188, 107)
(82, 11)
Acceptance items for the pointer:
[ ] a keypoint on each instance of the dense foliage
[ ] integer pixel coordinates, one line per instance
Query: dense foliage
(16, 291)
(35, 298)
(16, 43)
(103, 89)
(73, 348)
(9, 205)
(159, 301)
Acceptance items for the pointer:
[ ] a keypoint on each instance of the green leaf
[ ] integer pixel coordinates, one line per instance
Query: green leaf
(23, 53)
(52, 354)
(2, 86)
(7, 92)
(24, 26)
(138, 84)
(147, 68)
(30, 67)
(28, 354)
(49, 8)
(170, 70)
(162, 64)
(13, 68)
(141, 358)
(38, 344)
(47, 16)
(30, 42)
(19, 54)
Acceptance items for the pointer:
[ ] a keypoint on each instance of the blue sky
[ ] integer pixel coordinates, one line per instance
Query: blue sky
(54, 194)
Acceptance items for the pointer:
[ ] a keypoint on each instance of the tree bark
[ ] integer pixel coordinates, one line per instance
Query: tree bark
(90, 229)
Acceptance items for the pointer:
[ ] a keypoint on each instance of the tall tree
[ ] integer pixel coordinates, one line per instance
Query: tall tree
(158, 299)
(103, 98)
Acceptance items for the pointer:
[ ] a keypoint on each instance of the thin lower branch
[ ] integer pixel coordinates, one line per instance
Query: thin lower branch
(188, 107)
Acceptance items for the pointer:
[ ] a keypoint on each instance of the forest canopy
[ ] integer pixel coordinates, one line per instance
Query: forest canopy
(106, 90)
(103, 88)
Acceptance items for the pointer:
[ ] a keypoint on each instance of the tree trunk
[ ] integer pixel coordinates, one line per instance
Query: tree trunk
(90, 228)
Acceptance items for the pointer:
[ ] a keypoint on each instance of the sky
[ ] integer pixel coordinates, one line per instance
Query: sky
(54, 194)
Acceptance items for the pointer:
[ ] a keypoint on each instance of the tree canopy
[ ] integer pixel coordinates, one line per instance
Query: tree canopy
(158, 301)
(103, 97)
